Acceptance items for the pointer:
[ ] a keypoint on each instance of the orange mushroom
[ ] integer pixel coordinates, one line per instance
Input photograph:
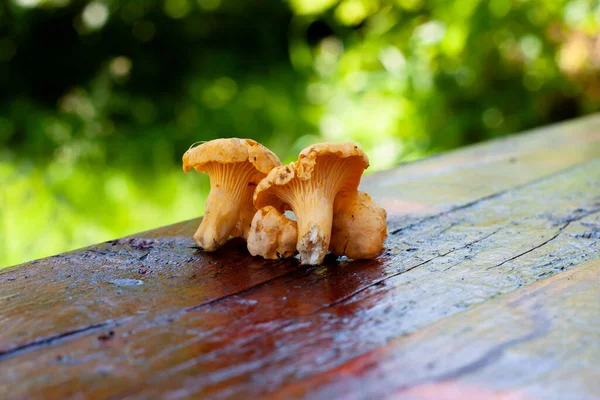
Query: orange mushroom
(272, 234)
(235, 166)
(359, 227)
(309, 186)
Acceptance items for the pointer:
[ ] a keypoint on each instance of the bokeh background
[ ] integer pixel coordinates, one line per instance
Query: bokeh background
(99, 99)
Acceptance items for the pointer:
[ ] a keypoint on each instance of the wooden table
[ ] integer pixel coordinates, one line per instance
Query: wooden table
(489, 287)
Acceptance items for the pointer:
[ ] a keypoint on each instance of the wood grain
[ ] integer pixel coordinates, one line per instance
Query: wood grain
(539, 342)
(152, 316)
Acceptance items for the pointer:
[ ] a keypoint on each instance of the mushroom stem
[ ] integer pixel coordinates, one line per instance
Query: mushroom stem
(247, 211)
(229, 196)
(312, 203)
(314, 216)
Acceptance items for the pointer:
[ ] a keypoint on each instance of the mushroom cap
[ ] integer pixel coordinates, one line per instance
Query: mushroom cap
(359, 226)
(272, 234)
(309, 156)
(232, 150)
(320, 154)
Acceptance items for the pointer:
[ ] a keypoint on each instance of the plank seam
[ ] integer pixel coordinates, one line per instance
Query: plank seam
(489, 197)
(560, 230)
(50, 340)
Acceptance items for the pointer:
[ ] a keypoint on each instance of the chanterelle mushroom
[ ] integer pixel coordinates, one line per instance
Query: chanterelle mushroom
(235, 166)
(309, 187)
(272, 234)
(359, 228)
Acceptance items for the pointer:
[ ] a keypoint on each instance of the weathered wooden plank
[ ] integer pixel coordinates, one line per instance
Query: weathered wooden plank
(436, 185)
(539, 342)
(311, 320)
(84, 290)
(554, 138)
(105, 284)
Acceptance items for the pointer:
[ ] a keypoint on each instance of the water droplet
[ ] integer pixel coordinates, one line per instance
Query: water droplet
(127, 282)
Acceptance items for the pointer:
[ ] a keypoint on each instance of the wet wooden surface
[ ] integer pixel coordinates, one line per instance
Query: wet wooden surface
(489, 287)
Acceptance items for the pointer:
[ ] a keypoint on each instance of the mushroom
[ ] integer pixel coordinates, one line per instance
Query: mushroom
(272, 234)
(359, 228)
(235, 166)
(309, 186)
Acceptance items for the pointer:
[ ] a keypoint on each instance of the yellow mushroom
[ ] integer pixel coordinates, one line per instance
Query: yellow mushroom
(272, 234)
(309, 186)
(235, 166)
(359, 228)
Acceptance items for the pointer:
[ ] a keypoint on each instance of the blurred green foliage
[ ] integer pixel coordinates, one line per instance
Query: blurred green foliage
(99, 99)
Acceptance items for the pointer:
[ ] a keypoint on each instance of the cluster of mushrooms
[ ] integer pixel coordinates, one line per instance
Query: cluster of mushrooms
(250, 191)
